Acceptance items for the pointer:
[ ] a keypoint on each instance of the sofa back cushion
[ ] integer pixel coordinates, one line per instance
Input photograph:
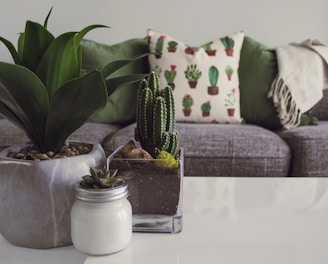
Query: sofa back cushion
(257, 70)
(121, 105)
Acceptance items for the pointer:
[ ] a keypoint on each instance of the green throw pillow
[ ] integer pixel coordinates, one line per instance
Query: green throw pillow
(257, 70)
(121, 104)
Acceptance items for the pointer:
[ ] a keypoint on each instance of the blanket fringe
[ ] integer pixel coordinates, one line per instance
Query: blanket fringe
(288, 112)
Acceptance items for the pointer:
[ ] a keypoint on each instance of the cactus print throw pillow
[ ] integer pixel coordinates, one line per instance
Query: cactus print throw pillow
(204, 80)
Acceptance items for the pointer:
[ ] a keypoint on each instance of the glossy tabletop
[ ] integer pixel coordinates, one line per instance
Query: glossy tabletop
(226, 220)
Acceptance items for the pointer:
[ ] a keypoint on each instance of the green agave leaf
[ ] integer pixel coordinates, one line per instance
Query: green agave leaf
(62, 60)
(59, 63)
(115, 65)
(36, 41)
(113, 83)
(12, 51)
(78, 38)
(22, 37)
(73, 104)
(80, 35)
(24, 100)
(20, 45)
(45, 24)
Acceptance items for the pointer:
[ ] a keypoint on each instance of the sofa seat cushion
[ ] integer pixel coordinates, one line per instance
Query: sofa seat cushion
(224, 150)
(89, 132)
(309, 146)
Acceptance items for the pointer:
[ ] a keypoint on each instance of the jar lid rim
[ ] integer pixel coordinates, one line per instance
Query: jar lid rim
(101, 195)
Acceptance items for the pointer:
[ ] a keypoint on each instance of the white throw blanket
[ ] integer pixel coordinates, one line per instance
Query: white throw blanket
(302, 75)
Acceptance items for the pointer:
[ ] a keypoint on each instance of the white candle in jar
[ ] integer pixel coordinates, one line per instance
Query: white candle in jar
(101, 220)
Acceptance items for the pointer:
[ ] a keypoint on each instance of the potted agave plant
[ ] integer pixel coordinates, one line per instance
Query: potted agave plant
(44, 94)
(152, 163)
(101, 198)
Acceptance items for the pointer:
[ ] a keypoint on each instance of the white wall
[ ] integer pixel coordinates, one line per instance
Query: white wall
(275, 22)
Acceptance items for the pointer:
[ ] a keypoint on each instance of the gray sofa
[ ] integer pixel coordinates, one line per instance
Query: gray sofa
(223, 150)
(257, 148)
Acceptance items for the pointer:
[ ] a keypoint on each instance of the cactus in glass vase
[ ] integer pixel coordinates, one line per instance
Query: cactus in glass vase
(155, 128)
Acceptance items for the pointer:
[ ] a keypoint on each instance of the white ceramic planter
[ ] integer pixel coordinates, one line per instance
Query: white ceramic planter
(36, 197)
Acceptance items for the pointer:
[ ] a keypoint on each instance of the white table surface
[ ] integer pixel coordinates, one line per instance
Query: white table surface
(226, 220)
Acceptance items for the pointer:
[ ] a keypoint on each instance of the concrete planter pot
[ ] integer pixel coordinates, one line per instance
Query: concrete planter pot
(37, 196)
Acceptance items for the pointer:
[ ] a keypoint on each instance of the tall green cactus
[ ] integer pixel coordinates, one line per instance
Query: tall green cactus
(155, 128)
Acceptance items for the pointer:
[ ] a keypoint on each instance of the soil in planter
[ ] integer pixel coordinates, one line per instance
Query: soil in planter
(152, 189)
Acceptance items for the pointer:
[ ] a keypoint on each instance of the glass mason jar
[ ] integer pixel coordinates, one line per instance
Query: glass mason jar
(101, 220)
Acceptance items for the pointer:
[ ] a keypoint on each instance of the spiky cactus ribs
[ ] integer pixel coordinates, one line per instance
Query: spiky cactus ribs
(155, 129)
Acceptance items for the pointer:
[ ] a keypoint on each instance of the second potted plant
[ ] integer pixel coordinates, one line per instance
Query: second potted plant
(153, 166)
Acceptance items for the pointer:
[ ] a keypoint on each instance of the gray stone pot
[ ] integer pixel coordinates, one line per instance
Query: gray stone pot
(36, 197)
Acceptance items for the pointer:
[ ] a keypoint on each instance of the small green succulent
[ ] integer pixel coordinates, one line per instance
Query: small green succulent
(101, 179)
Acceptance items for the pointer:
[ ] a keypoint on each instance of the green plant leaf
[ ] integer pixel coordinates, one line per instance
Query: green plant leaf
(20, 45)
(78, 38)
(73, 104)
(24, 100)
(59, 63)
(36, 41)
(62, 60)
(45, 24)
(80, 35)
(115, 65)
(113, 83)
(12, 51)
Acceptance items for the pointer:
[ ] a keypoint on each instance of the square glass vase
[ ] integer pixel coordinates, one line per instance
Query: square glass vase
(155, 192)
